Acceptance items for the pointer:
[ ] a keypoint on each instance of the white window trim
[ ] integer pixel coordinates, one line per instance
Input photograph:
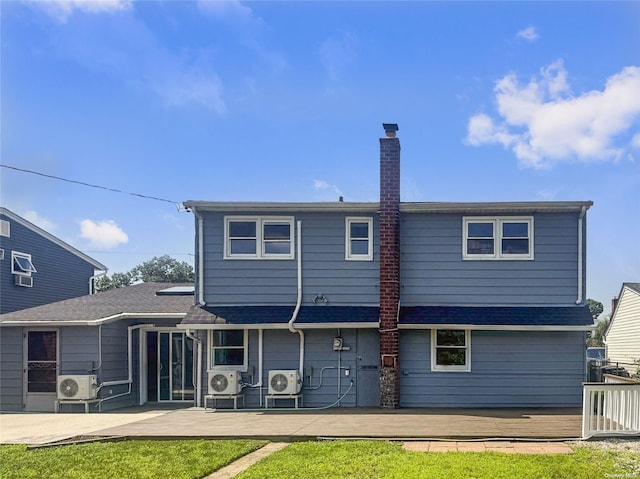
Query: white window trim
(260, 221)
(17, 254)
(211, 366)
(497, 238)
(459, 369)
(347, 235)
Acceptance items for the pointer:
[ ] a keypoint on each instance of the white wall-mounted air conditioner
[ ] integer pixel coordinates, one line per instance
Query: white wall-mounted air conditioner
(24, 280)
(284, 381)
(77, 386)
(224, 383)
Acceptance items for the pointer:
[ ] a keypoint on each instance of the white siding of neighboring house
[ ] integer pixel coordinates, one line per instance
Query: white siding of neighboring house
(623, 338)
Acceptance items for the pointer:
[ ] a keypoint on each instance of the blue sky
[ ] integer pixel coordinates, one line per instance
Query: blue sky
(284, 101)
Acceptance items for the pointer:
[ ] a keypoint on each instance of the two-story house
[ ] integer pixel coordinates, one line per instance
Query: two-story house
(315, 305)
(392, 303)
(38, 268)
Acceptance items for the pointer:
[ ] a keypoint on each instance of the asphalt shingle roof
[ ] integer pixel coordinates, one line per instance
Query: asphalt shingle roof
(137, 299)
(497, 315)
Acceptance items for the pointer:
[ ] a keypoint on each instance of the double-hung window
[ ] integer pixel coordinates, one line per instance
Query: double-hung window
(451, 350)
(359, 239)
(258, 238)
(228, 349)
(497, 238)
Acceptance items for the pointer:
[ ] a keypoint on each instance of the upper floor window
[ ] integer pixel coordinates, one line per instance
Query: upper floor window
(359, 239)
(450, 350)
(21, 264)
(497, 238)
(228, 349)
(258, 238)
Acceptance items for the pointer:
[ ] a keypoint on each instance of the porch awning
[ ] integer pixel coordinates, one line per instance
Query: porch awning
(497, 317)
(277, 317)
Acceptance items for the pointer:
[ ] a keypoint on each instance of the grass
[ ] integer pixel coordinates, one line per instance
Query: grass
(378, 459)
(308, 460)
(125, 459)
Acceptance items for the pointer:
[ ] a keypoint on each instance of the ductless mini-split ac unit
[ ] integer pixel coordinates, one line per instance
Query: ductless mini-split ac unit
(77, 386)
(284, 381)
(223, 383)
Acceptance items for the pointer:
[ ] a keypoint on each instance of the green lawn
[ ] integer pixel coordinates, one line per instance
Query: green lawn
(304, 460)
(378, 459)
(124, 459)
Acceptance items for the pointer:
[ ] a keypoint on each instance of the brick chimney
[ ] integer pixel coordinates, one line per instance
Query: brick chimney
(389, 266)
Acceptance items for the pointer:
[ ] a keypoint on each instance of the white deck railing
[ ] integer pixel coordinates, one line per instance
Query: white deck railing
(611, 408)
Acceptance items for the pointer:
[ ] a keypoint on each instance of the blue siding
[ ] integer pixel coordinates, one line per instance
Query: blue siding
(433, 271)
(61, 274)
(508, 369)
(274, 282)
(11, 363)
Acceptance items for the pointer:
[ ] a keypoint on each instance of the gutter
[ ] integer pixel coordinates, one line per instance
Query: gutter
(93, 322)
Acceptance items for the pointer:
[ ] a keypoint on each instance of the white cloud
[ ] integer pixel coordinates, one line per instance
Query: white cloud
(543, 123)
(635, 141)
(36, 219)
(321, 185)
(61, 10)
(530, 34)
(103, 234)
(227, 9)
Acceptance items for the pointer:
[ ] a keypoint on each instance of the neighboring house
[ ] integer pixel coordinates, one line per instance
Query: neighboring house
(622, 338)
(386, 303)
(395, 304)
(125, 337)
(37, 268)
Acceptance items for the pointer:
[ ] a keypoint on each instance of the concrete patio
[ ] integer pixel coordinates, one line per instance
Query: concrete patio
(274, 425)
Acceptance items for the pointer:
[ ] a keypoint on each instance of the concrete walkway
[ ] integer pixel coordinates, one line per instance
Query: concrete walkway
(286, 426)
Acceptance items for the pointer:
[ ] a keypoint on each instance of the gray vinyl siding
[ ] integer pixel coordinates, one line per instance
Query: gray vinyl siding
(281, 351)
(11, 363)
(508, 369)
(61, 274)
(274, 282)
(433, 271)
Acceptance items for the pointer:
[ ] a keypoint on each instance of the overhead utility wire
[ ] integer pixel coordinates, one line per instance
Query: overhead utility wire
(175, 203)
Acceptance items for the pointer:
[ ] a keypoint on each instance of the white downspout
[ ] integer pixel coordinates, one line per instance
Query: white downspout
(200, 258)
(198, 378)
(299, 300)
(92, 286)
(580, 254)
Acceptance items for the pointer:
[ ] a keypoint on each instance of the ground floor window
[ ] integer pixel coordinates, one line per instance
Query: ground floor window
(228, 349)
(450, 350)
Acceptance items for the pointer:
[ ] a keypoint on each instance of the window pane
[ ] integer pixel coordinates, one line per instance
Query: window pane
(228, 357)
(242, 229)
(450, 337)
(41, 380)
(515, 230)
(233, 337)
(42, 346)
(359, 247)
(247, 246)
(359, 230)
(480, 246)
(277, 231)
(450, 357)
(480, 230)
(277, 247)
(515, 246)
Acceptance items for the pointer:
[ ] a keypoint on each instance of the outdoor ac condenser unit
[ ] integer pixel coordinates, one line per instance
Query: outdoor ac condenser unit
(284, 381)
(84, 386)
(224, 383)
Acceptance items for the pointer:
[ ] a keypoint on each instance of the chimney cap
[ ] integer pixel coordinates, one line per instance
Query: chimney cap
(390, 129)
